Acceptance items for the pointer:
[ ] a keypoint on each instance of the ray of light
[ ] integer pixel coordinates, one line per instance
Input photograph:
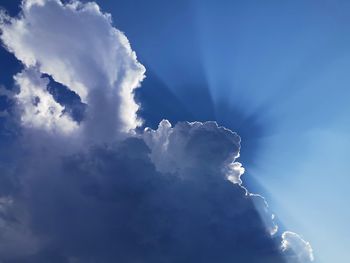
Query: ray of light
(293, 75)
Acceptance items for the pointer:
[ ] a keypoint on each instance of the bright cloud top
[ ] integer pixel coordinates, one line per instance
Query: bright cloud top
(173, 194)
(294, 244)
(40, 110)
(77, 45)
(190, 146)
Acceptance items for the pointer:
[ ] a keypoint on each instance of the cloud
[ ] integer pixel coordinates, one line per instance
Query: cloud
(300, 250)
(5, 96)
(78, 47)
(194, 146)
(16, 237)
(39, 109)
(109, 203)
(5, 92)
(98, 190)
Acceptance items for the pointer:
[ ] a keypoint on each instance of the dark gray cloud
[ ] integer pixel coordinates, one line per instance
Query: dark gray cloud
(109, 204)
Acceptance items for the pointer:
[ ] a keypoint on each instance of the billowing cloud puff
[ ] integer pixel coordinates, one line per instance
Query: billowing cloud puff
(77, 45)
(39, 109)
(299, 249)
(194, 146)
(77, 191)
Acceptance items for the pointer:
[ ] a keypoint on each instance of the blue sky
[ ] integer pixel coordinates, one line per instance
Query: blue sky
(274, 72)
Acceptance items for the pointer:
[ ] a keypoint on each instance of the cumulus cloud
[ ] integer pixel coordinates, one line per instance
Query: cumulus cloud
(78, 47)
(109, 203)
(39, 109)
(192, 146)
(299, 249)
(96, 190)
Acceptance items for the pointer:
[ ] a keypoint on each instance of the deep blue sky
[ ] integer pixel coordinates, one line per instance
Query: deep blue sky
(275, 72)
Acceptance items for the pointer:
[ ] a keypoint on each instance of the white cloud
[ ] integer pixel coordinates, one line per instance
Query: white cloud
(38, 108)
(234, 171)
(77, 45)
(301, 249)
(195, 146)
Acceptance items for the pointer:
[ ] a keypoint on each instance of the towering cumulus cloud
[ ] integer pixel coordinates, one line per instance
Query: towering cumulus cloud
(78, 47)
(96, 189)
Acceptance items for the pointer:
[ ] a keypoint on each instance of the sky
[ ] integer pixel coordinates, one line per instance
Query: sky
(274, 72)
